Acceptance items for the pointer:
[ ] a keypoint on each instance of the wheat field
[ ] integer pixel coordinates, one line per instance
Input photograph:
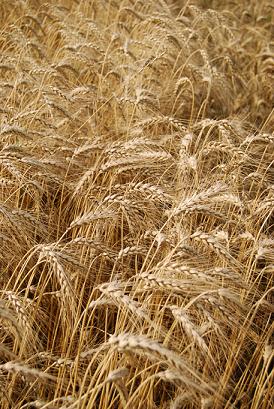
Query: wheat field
(136, 204)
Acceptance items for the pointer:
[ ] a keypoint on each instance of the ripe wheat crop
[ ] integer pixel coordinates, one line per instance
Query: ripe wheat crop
(136, 204)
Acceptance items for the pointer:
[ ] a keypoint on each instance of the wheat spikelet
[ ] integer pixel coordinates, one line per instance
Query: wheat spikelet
(216, 246)
(117, 376)
(38, 403)
(127, 342)
(176, 267)
(113, 290)
(182, 317)
(127, 251)
(20, 310)
(172, 285)
(91, 216)
(97, 245)
(16, 367)
(193, 202)
(6, 314)
(48, 254)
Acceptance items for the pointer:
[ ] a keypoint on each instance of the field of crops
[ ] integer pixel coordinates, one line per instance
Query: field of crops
(136, 204)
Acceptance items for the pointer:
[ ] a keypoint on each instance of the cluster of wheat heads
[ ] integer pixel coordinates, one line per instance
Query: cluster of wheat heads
(136, 204)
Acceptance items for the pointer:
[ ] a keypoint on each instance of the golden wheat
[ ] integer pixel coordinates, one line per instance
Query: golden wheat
(136, 204)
